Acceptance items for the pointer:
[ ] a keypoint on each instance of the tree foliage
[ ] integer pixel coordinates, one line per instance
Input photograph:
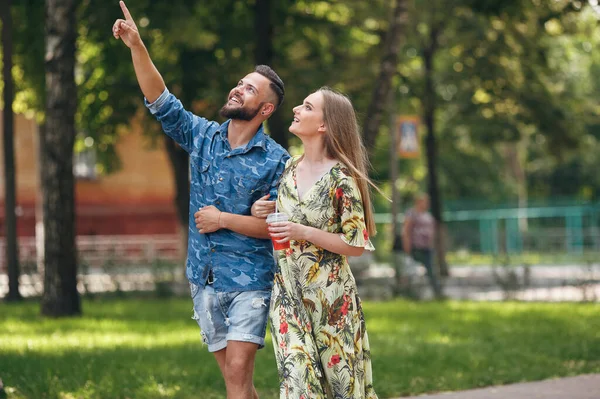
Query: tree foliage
(511, 77)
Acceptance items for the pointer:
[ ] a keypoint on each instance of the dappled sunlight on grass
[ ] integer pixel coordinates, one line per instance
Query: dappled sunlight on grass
(102, 326)
(440, 339)
(425, 347)
(148, 348)
(92, 341)
(118, 349)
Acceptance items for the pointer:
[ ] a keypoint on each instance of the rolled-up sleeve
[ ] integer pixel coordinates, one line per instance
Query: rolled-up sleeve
(178, 123)
(158, 103)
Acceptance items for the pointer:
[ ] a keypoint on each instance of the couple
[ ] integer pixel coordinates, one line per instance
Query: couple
(316, 317)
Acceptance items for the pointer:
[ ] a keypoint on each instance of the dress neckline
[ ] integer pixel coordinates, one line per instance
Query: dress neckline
(315, 184)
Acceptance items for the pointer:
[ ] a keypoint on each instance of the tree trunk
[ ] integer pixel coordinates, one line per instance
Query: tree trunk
(389, 65)
(263, 55)
(12, 258)
(429, 108)
(180, 167)
(56, 152)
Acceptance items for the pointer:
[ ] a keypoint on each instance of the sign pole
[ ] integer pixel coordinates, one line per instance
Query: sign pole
(394, 168)
(397, 258)
(404, 144)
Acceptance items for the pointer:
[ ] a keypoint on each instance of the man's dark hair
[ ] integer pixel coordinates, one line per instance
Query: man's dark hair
(276, 83)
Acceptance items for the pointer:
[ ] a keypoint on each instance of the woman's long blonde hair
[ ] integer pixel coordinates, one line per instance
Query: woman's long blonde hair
(344, 143)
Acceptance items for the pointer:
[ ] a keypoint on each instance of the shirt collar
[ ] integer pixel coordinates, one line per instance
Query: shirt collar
(258, 140)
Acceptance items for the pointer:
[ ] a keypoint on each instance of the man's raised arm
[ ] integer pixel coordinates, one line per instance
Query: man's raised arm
(149, 79)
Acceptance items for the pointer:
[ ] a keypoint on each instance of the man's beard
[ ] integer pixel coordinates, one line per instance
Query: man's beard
(240, 113)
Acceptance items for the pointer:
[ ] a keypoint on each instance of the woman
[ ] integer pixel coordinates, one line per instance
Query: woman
(317, 323)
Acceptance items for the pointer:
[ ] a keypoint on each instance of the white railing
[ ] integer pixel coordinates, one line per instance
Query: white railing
(95, 251)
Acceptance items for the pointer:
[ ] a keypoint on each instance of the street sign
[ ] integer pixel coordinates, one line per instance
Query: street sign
(407, 137)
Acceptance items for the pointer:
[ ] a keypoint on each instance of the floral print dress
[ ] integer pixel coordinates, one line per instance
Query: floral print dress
(317, 322)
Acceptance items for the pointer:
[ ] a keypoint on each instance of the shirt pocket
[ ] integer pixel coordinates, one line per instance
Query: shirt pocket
(245, 191)
(199, 167)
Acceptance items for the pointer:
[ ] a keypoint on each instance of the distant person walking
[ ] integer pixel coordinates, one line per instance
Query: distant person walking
(418, 233)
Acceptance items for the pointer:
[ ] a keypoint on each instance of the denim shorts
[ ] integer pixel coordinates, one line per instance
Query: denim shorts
(230, 316)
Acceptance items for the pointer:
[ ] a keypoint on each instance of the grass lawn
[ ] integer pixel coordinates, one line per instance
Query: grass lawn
(149, 348)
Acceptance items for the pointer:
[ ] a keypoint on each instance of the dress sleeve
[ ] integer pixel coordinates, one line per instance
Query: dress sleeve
(352, 217)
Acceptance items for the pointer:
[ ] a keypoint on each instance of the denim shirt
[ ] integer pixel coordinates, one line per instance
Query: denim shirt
(231, 180)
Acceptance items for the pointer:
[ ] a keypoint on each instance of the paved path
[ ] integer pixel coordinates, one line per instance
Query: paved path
(581, 387)
(538, 283)
(484, 283)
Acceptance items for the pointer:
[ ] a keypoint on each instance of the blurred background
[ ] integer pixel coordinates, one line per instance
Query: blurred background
(502, 97)
(489, 106)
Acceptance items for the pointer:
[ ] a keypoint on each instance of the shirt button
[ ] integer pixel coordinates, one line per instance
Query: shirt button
(218, 202)
(220, 179)
(213, 250)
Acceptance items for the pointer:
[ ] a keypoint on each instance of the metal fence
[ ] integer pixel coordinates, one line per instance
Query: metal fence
(565, 229)
(544, 254)
(571, 229)
(96, 251)
(106, 263)
(538, 254)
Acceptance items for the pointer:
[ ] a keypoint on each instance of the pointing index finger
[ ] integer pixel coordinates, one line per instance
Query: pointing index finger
(125, 11)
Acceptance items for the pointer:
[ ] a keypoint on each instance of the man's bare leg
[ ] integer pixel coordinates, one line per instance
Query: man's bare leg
(221, 357)
(238, 369)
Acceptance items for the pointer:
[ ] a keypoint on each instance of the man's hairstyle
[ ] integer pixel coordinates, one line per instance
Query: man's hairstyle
(276, 83)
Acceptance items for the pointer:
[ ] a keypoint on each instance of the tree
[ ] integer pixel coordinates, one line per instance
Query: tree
(429, 48)
(187, 54)
(12, 257)
(492, 86)
(57, 138)
(388, 69)
(263, 54)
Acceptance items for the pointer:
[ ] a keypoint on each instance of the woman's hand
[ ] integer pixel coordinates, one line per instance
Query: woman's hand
(262, 208)
(285, 231)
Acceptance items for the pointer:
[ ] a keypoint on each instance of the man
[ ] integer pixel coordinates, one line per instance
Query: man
(230, 261)
(417, 238)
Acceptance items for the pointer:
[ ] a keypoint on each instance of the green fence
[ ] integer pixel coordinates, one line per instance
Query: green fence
(572, 229)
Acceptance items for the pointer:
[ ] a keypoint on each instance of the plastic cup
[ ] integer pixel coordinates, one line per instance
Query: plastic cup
(274, 218)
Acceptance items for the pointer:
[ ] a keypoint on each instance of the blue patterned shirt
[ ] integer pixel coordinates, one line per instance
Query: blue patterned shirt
(231, 180)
